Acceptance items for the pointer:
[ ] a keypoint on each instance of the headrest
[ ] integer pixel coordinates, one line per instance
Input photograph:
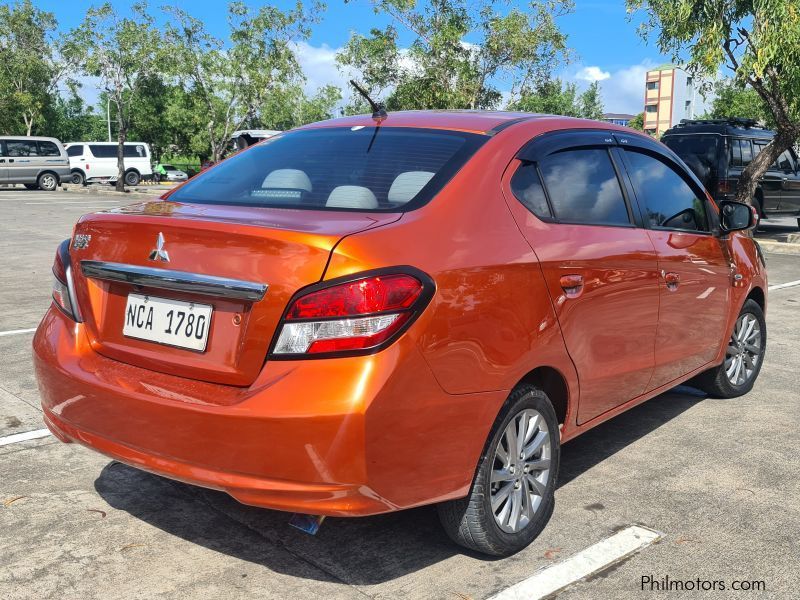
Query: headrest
(287, 179)
(352, 196)
(407, 185)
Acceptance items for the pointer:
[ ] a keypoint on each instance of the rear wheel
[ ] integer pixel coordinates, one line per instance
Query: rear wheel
(47, 182)
(743, 356)
(132, 178)
(512, 495)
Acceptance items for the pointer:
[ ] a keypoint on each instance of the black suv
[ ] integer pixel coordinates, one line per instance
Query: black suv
(717, 150)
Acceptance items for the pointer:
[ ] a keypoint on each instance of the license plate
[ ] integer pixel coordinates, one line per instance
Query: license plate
(170, 322)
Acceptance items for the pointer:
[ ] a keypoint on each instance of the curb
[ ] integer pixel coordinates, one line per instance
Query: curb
(772, 247)
(151, 191)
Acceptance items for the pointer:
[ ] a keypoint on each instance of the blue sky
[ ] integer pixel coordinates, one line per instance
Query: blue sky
(606, 44)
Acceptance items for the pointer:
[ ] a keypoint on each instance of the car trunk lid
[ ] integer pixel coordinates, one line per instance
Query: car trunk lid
(278, 250)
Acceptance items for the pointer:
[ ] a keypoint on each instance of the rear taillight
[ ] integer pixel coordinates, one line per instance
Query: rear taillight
(358, 315)
(63, 296)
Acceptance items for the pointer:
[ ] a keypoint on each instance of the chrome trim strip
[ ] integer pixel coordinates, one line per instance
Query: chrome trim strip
(182, 281)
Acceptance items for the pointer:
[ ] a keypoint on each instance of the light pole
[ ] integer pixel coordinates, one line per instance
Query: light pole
(108, 115)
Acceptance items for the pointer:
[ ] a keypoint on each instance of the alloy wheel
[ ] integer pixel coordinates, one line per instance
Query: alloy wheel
(744, 350)
(47, 182)
(520, 471)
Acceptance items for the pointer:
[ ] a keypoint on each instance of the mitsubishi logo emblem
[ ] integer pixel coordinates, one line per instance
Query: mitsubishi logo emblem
(158, 253)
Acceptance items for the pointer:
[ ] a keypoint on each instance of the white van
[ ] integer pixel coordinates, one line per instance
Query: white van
(97, 161)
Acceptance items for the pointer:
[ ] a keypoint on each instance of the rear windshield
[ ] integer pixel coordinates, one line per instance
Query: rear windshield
(361, 168)
(699, 152)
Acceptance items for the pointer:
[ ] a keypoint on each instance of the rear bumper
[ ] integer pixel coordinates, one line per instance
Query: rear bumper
(344, 437)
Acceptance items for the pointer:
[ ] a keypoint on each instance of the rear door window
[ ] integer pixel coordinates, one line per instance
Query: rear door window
(741, 153)
(48, 149)
(75, 151)
(21, 148)
(134, 151)
(337, 168)
(583, 187)
(668, 200)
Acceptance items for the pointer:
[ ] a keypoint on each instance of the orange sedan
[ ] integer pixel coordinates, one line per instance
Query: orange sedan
(365, 315)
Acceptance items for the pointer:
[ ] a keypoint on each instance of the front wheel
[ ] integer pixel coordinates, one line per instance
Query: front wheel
(512, 495)
(743, 357)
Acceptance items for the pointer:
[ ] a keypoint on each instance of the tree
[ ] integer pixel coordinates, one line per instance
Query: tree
(591, 103)
(231, 83)
(757, 40)
(637, 122)
(554, 97)
(440, 69)
(291, 107)
(125, 54)
(32, 64)
(731, 99)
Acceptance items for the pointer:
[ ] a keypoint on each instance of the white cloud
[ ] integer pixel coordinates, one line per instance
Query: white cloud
(592, 74)
(320, 68)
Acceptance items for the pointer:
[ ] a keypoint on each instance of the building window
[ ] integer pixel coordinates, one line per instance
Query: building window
(689, 81)
(651, 108)
(652, 85)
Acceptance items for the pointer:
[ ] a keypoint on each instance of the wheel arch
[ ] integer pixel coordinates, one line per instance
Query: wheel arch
(51, 172)
(554, 384)
(757, 295)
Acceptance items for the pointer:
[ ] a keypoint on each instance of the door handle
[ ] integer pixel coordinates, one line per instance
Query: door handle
(572, 285)
(672, 280)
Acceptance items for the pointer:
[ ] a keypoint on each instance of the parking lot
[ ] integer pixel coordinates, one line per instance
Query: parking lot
(718, 479)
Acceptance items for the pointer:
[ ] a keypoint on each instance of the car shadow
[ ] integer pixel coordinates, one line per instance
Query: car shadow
(364, 551)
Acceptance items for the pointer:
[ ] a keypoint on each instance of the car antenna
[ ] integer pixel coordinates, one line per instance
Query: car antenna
(378, 111)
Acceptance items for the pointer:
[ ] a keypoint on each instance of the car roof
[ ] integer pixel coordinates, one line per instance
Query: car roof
(30, 137)
(108, 143)
(474, 121)
(721, 127)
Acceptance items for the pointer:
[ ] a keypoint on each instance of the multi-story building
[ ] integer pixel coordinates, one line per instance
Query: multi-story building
(669, 96)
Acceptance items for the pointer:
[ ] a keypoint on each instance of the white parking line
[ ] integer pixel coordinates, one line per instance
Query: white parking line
(25, 436)
(595, 558)
(17, 331)
(781, 286)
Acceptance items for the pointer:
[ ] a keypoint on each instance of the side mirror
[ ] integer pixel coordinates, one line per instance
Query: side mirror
(737, 216)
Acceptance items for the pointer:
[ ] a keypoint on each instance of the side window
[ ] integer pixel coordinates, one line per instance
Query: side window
(747, 152)
(133, 151)
(48, 149)
(583, 187)
(758, 146)
(670, 203)
(21, 148)
(103, 151)
(785, 161)
(736, 153)
(527, 188)
(75, 151)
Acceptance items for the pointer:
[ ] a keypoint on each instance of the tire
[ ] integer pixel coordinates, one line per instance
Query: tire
(725, 381)
(47, 181)
(471, 522)
(31, 186)
(77, 178)
(132, 178)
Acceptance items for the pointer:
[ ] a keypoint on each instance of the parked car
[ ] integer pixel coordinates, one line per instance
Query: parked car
(361, 317)
(96, 162)
(36, 162)
(718, 150)
(167, 172)
(245, 138)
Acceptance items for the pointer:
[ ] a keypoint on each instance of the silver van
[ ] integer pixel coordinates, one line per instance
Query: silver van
(38, 162)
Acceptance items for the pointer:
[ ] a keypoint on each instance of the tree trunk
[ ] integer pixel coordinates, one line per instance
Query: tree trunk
(748, 180)
(123, 135)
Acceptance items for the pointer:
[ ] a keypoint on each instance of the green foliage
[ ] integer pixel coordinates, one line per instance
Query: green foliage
(637, 122)
(441, 69)
(32, 64)
(731, 99)
(554, 97)
(229, 84)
